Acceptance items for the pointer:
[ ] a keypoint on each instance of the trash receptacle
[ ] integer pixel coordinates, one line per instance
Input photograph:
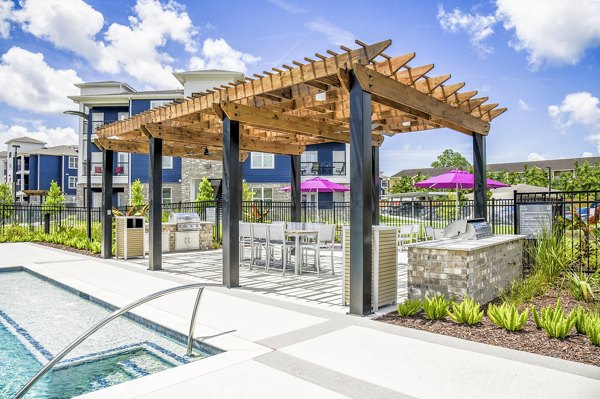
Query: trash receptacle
(384, 272)
(129, 236)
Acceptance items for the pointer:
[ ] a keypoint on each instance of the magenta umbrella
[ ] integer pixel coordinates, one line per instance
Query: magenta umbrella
(456, 179)
(319, 185)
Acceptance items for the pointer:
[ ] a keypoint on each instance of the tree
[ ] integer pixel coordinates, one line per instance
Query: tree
(6, 196)
(137, 193)
(205, 191)
(535, 176)
(451, 159)
(54, 200)
(405, 184)
(247, 194)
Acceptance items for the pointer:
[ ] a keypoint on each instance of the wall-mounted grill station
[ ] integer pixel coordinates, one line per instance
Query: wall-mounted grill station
(187, 227)
(469, 261)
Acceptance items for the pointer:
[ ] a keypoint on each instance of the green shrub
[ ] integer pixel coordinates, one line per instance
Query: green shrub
(436, 308)
(554, 321)
(467, 312)
(581, 285)
(550, 254)
(580, 318)
(410, 307)
(507, 316)
(592, 328)
(523, 290)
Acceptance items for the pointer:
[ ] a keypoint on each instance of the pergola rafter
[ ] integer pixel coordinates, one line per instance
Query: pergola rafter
(354, 96)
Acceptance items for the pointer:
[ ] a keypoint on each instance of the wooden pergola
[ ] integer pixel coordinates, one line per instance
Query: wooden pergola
(354, 96)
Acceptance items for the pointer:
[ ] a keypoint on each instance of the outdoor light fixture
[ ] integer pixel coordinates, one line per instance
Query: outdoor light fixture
(206, 151)
(88, 157)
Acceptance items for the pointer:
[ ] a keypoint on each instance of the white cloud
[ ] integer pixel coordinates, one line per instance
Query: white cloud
(218, 54)
(478, 27)
(134, 48)
(6, 14)
(29, 83)
(335, 34)
(557, 32)
(68, 24)
(587, 154)
(534, 156)
(524, 106)
(51, 135)
(582, 109)
(287, 6)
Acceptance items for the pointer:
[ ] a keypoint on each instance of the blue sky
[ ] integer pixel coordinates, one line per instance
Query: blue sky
(540, 62)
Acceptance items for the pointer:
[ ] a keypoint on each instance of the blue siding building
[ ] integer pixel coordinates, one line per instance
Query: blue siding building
(30, 167)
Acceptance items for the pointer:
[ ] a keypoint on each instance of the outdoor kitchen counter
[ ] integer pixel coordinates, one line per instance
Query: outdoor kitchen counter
(458, 267)
(467, 245)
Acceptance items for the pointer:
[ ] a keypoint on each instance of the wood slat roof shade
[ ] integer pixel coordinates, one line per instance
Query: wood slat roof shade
(284, 110)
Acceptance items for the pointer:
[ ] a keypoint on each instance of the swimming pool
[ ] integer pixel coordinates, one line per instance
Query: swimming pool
(38, 319)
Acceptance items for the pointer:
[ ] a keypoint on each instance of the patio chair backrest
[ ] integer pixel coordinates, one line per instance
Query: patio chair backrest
(295, 225)
(416, 229)
(327, 233)
(260, 231)
(276, 232)
(313, 226)
(406, 229)
(429, 233)
(245, 230)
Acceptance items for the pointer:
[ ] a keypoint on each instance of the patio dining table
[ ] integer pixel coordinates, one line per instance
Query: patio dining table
(298, 234)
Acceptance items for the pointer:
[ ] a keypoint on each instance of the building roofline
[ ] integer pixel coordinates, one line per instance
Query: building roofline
(182, 76)
(123, 98)
(105, 84)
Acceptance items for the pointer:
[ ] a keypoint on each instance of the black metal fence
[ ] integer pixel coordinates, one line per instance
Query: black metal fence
(572, 214)
(34, 216)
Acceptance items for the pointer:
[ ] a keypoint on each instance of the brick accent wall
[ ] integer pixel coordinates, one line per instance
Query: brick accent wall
(481, 272)
(193, 169)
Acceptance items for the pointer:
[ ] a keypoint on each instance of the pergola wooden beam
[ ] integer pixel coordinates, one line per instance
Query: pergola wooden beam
(412, 101)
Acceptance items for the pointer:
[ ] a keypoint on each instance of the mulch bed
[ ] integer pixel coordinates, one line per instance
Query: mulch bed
(69, 249)
(575, 347)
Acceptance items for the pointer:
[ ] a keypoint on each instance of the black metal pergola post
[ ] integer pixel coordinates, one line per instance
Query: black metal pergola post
(155, 203)
(376, 187)
(295, 182)
(88, 177)
(361, 197)
(107, 194)
(480, 172)
(231, 202)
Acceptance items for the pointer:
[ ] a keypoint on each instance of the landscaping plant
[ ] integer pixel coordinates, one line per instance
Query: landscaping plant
(554, 321)
(467, 312)
(580, 318)
(436, 308)
(592, 328)
(581, 285)
(523, 290)
(410, 307)
(507, 316)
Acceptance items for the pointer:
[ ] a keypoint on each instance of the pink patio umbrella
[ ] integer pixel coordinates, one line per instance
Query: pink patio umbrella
(319, 185)
(456, 179)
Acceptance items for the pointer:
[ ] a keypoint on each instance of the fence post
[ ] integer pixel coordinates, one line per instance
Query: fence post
(430, 213)
(218, 237)
(47, 223)
(493, 214)
(515, 216)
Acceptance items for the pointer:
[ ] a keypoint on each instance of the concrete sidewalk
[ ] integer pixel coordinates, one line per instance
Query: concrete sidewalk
(285, 349)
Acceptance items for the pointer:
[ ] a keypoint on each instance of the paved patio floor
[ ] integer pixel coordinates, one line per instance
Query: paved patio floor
(325, 290)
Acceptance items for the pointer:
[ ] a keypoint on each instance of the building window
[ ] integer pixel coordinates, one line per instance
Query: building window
(261, 160)
(97, 120)
(262, 194)
(159, 103)
(72, 182)
(167, 162)
(122, 115)
(72, 162)
(167, 195)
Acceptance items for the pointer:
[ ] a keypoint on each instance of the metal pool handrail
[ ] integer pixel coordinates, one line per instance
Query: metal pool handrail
(114, 315)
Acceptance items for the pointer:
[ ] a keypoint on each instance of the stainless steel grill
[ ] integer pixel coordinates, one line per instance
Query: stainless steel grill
(185, 221)
(472, 229)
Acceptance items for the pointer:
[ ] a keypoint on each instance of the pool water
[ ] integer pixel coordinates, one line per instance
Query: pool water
(38, 319)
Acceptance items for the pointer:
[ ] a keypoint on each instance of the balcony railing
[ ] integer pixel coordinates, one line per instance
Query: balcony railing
(121, 169)
(323, 168)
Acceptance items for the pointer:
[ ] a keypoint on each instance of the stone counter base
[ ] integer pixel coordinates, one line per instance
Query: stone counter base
(479, 273)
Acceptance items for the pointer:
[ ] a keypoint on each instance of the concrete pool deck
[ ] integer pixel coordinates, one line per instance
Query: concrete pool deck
(284, 348)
